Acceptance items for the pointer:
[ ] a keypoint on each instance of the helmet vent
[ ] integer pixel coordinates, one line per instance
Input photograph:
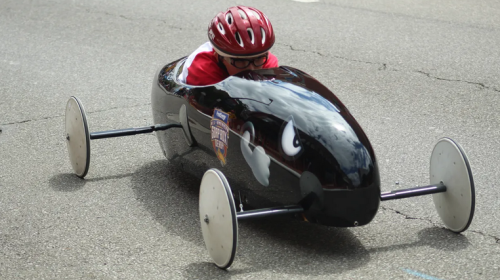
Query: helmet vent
(263, 33)
(256, 14)
(250, 34)
(238, 39)
(242, 14)
(221, 29)
(229, 18)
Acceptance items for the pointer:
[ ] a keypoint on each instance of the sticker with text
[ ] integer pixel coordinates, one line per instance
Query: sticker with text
(220, 134)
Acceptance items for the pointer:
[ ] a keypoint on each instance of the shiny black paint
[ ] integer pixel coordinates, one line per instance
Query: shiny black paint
(342, 173)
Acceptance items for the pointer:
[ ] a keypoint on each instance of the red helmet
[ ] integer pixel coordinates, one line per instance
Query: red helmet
(241, 31)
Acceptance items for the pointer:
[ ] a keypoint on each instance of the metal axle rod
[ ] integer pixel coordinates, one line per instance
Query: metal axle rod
(131, 131)
(398, 194)
(259, 213)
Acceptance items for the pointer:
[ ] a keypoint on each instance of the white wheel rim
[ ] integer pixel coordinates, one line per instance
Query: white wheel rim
(77, 137)
(220, 233)
(449, 165)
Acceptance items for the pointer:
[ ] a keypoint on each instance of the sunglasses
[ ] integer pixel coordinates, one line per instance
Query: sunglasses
(242, 63)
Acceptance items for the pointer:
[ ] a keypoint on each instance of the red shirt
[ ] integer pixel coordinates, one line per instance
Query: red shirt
(201, 67)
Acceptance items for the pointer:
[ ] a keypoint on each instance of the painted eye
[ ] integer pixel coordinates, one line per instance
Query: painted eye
(290, 142)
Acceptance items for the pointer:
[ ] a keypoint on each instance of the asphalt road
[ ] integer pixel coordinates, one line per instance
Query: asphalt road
(411, 72)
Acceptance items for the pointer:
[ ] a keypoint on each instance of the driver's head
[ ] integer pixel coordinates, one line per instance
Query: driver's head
(242, 37)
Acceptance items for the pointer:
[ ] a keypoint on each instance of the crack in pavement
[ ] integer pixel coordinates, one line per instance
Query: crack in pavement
(497, 239)
(88, 10)
(384, 67)
(144, 19)
(33, 120)
(410, 218)
(86, 113)
(481, 85)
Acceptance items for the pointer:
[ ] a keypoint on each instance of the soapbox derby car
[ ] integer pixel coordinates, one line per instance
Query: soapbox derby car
(276, 141)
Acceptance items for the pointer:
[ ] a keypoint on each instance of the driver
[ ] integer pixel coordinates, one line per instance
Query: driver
(240, 39)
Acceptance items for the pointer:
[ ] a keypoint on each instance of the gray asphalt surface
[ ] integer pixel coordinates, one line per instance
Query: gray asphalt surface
(411, 72)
